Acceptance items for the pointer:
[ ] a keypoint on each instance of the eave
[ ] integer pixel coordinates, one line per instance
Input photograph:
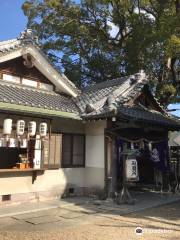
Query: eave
(15, 108)
(165, 122)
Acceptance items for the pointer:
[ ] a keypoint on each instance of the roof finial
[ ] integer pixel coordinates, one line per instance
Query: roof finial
(28, 36)
(89, 108)
(111, 103)
(141, 71)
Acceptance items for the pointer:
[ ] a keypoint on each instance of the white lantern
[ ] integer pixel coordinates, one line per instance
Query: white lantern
(32, 128)
(20, 126)
(132, 170)
(43, 129)
(23, 143)
(7, 126)
(2, 142)
(12, 142)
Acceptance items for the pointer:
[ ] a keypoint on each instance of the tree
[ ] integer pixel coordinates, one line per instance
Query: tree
(97, 40)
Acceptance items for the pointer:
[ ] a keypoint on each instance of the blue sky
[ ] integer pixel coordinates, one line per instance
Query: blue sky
(13, 21)
(175, 106)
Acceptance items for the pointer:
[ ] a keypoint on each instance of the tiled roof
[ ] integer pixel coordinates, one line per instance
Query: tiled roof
(102, 100)
(26, 96)
(10, 46)
(122, 90)
(49, 100)
(112, 98)
(137, 113)
(151, 116)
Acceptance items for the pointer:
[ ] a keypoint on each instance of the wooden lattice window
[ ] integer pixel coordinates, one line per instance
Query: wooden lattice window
(52, 152)
(73, 150)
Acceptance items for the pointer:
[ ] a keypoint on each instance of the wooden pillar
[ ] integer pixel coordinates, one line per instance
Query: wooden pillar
(113, 168)
(107, 162)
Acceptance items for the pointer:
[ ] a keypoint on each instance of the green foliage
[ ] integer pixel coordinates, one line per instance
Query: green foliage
(173, 46)
(93, 41)
(166, 93)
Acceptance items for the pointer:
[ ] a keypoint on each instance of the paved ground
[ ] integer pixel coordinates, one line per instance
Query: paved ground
(143, 200)
(87, 219)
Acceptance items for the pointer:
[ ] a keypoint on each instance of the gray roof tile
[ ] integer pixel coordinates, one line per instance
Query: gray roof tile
(18, 94)
(122, 89)
(137, 113)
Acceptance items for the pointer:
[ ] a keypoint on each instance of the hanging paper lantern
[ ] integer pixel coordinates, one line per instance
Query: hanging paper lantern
(7, 126)
(12, 142)
(20, 126)
(32, 128)
(2, 142)
(23, 143)
(43, 129)
(131, 170)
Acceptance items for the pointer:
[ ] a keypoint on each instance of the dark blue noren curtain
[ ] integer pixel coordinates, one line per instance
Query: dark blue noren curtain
(163, 153)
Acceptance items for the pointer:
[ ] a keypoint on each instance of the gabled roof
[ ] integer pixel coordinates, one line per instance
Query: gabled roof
(116, 98)
(106, 96)
(26, 44)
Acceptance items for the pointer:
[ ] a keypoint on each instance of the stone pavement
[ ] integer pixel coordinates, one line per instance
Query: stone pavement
(75, 211)
(11, 210)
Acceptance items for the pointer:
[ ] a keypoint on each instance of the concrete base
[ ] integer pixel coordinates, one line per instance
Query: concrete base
(56, 194)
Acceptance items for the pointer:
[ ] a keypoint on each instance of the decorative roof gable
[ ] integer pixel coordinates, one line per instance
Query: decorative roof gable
(27, 47)
(117, 98)
(119, 90)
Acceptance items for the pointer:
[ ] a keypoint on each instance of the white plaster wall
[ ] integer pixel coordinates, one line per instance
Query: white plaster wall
(95, 151)
(94, 171)
(13, 183)
(174, 138)
(68, 126)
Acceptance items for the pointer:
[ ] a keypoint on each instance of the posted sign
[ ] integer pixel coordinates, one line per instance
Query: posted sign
(132, 170)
